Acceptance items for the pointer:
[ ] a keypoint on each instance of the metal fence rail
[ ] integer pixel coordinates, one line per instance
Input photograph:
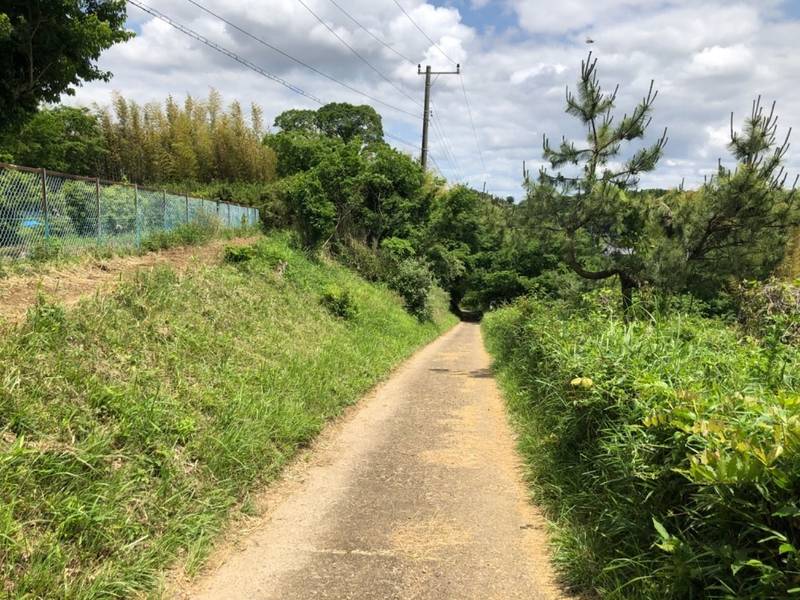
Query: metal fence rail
(43, 211)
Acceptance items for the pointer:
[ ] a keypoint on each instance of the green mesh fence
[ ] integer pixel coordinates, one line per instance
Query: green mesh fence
(44, 213)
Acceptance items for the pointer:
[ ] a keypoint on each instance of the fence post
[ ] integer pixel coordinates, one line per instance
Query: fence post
(186, 198)
(136, 209)
(45, 207)
(229, 215)
(163, 209)
(97, 205)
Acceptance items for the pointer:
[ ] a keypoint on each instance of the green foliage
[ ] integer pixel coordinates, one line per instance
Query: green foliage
(413, 281)
(199, 141)
(236, 255)
(62, 139)
(666, 450)
(49, 48)
(188, 234)
(735, 227)
(339, 302)
(770, 310)
(340, 120)
(177, 396)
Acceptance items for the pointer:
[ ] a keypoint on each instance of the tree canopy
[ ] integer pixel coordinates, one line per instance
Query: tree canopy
(49, 47)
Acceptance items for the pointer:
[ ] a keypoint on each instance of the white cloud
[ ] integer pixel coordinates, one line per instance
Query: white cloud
(708, 58)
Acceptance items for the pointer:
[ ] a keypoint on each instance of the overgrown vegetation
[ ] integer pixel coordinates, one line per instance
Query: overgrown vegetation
(176, 395)
(666, 450)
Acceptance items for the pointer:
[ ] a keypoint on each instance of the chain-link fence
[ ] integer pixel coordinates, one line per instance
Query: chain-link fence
(42, 212)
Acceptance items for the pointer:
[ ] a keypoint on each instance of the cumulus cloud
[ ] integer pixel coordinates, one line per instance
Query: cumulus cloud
(708, 58)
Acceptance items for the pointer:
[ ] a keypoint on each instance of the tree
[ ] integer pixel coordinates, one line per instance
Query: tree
(297, 120)
(336, 120)
(47, 47)
(601, 225)
(738, 224)
(62, 139)
(348, 122)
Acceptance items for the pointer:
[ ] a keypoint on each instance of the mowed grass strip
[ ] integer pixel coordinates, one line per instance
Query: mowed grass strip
(131, 425)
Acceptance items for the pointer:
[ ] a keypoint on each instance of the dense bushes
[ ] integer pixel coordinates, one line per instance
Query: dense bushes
(666, 450)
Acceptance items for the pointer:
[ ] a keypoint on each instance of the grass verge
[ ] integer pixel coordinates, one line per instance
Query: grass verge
(666, 451)
(130, 425)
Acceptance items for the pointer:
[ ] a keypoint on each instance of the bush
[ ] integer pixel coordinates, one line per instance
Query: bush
(413, 281)
(239, 254)
(770, 309)
(339, 302)
(667, 451)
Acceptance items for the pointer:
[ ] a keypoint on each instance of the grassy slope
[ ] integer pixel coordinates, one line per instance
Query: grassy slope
(130, 425)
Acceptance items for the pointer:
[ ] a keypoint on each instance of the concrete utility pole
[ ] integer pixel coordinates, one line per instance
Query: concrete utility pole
(427, 115)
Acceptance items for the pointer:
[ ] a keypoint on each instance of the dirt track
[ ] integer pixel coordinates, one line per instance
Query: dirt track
(417, 494)
(71, 283)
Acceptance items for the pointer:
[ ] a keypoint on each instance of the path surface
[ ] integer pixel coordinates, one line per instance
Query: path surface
(416, 495)
(68, 284)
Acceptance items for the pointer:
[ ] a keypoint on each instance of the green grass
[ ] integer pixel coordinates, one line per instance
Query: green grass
(666, 451)
(131, 425)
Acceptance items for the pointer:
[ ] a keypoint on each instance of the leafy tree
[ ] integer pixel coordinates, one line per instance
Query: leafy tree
(297, 120)
(49, 47)
(62, 139)
(336, 120)
(348, 122)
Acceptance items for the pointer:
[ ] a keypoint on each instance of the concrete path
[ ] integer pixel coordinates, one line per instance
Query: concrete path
(417, 494)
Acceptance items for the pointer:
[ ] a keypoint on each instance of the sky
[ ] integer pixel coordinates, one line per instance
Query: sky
(708, 58)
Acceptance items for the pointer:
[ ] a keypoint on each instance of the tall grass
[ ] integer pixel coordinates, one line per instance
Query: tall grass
(130, 425)
(666, 451)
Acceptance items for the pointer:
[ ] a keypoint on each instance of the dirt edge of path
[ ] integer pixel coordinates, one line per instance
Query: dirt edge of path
(69, 284)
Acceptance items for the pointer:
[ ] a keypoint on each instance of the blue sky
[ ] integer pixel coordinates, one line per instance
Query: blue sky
(708, 58)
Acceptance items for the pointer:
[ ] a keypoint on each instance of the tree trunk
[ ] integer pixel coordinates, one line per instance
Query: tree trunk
(627, 285)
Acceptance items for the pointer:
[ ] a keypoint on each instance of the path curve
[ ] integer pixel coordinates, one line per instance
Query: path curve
(418, 494)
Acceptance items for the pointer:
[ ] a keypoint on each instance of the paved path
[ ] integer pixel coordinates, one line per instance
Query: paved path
(416, 495)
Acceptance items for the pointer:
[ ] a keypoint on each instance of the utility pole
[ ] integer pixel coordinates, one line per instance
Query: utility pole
(427, 115)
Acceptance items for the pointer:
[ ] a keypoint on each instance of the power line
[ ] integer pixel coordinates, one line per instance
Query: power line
(399, 139)
(446, 145)
(422, 31)
(297, 60)
(355, 52)
(193, 34)
(230, 54)
(372, 35)
(472, 123)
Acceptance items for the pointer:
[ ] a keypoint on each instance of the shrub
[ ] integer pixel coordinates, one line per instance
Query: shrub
(666, 450)
(413, 281)
(362, 259)
(770, 309)
(339, 302)
(239, 254)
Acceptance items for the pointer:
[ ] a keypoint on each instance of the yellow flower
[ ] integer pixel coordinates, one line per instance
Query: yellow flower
(582, 382)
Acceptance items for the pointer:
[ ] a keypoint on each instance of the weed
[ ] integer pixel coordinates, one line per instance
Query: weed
(667, 451)
(339, 302)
